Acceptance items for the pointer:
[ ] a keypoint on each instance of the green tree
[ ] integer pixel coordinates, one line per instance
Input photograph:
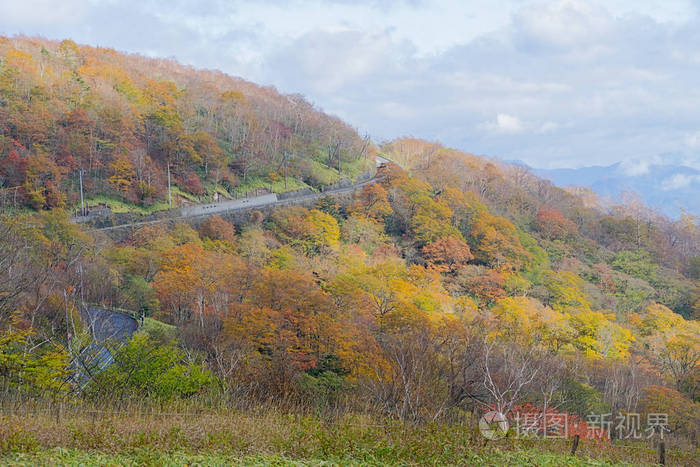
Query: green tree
(144, 369)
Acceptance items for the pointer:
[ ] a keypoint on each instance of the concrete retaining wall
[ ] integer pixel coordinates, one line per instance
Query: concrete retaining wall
(119, 224)
(295, 193)
(119, 231)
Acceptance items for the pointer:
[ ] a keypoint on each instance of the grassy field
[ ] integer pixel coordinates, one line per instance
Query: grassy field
(267, 437)
(117, 205)
(158, 330)
(276, 186)
(58, 456)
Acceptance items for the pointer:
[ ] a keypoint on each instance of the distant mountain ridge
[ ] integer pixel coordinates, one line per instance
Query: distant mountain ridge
(668, 188)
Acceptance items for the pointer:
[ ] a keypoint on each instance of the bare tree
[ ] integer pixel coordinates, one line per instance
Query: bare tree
(508, 371)
(334, 151)
(411, 383)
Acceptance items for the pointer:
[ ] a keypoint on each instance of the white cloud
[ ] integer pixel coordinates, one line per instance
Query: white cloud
(32, 13)
(549, 82)
(640, 166)
(562, 24)
(692, 161)
(693, 140)
(635, 168)
(504, 124)
(396, 110)
(326, 61)
(509, 123)
(679, 181)
(548, 126)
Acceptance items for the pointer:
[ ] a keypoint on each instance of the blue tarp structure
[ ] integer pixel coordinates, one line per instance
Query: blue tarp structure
(107, 329)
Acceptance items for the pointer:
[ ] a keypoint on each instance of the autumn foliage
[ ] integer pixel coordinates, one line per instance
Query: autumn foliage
(129, 123)
(552, 224)
(458, 285)
(447, 253)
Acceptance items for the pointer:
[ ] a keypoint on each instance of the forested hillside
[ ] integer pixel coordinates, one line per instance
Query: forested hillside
(123, 119)
(453, 285)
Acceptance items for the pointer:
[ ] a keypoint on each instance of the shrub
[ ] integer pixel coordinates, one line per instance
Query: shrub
(553, 225)
(37, 373)
(216, 228)
(144, 368)
(192, 184)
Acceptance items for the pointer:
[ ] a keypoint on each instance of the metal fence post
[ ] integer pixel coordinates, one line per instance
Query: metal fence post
(574, 445)
(662, 453)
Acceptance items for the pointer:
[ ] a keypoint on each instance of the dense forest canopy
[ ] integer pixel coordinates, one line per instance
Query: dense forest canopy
(124, 119)
(455, 282)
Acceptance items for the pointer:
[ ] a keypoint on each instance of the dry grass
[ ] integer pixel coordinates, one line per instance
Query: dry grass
(270, 433)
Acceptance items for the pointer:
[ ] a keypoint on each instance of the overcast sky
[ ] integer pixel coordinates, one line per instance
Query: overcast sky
(562, 83)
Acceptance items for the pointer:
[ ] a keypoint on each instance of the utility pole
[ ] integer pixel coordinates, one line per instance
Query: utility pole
(285, 161)
(285, 171)
(170, 196)
(82, 199)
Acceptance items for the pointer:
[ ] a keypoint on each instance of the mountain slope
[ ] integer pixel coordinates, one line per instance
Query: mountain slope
(133, 125)
(421, 297)
(669, 188)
